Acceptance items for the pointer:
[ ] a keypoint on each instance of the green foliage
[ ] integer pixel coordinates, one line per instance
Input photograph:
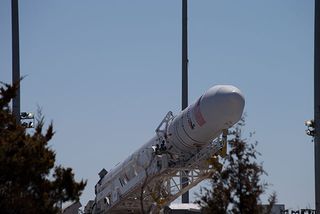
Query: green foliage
(237, 187)
(27, 162)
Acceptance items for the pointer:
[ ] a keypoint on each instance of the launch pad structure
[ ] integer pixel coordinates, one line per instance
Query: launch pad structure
(160, 183)
(178, 179)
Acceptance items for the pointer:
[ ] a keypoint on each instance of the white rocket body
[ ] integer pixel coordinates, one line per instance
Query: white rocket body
(192, 129)
(218, 108)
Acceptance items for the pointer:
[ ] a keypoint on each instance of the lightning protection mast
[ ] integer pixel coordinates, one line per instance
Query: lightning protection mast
(15, 58)
(184, 179)
(317, 104)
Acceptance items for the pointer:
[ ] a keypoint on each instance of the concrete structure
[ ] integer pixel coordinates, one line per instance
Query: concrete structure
(72, 209)
(182, 209)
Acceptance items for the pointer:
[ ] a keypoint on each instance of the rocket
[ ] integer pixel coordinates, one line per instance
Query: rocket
(217, 109)
(181, 142)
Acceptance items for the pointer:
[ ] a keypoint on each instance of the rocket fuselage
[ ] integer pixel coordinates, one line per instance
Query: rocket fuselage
(218, 108)
(192, 129)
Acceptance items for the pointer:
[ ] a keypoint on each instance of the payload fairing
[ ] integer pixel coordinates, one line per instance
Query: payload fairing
(181, 147)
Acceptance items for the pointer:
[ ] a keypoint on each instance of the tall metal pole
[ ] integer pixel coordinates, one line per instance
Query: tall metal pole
(317, 104)
(184, 180)
(15, 58)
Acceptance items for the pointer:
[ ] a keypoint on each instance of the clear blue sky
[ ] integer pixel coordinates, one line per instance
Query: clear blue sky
(106, 72)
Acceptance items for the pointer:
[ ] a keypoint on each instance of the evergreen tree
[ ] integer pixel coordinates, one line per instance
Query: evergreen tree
(26, 164)
(237, 187)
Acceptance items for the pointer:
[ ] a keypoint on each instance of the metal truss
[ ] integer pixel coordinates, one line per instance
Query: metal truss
(158, 190)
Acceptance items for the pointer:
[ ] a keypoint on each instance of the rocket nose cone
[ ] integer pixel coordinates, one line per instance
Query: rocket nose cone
(231, 97)
(231, 103)
(225, 103)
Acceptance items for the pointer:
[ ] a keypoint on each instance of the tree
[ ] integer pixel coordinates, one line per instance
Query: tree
(237, 187)
(30, 182)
